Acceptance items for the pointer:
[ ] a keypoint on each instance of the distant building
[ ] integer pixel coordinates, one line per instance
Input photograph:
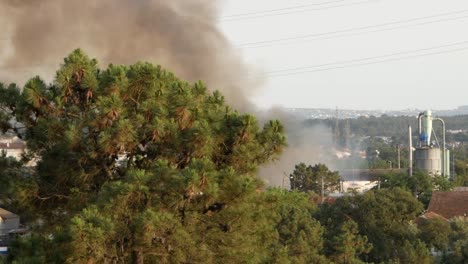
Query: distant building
(8, 222)
(362, 180)
(460, 189)
(449, 204)
(428, 217)
(324, 199)
(386, 140)
(342, 154)
(455, 131)
(9, 228)
(13, 147)
(358, 186)
(432, 215)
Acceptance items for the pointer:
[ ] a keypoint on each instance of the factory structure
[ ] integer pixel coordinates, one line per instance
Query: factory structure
(430, 153)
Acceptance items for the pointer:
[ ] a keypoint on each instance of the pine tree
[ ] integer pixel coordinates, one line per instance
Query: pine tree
(135, 165)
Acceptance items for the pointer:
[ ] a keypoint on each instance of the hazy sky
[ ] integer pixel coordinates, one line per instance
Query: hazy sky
(374, 54)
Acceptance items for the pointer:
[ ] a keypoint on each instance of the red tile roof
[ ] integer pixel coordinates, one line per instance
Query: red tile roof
(432, 215)
(428, 216)
(449, 204)
(325, 199)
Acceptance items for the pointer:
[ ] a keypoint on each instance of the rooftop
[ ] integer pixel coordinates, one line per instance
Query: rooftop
(4, 214)
(13, 145)
(449, 204)
(428, 216)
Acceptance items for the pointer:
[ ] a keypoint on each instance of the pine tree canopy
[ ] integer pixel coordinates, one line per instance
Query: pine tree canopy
(133, 164)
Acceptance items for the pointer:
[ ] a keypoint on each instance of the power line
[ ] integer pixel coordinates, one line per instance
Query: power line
(260, 14)
(362, 62)
(279, 9)
(333, 34)
(304, 69)
(374, 57)
(352, 63)
(370, 63)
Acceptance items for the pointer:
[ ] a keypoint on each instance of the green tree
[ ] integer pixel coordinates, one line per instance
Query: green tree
(461, 172)
(135, 165)
(458, 242)
(293, 235)
(383, 216)
(435, 233)
(348, 245)
(310, 178)
(420, 184)
(9, 95)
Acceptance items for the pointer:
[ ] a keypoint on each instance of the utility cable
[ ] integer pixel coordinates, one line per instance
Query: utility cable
(367, 61)
(333, 34)
(372, 58)
(260, 15)
(279, 9)
(333, 65)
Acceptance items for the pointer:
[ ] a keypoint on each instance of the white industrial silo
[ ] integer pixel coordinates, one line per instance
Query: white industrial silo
(429, 156)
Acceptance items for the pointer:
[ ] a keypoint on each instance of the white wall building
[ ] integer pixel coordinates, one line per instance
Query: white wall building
(13, 147)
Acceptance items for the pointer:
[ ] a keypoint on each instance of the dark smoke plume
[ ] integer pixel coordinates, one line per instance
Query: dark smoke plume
(181, 35)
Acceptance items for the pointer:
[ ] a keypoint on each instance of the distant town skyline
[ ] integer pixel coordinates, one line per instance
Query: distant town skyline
(375, 54)
(340, 113)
